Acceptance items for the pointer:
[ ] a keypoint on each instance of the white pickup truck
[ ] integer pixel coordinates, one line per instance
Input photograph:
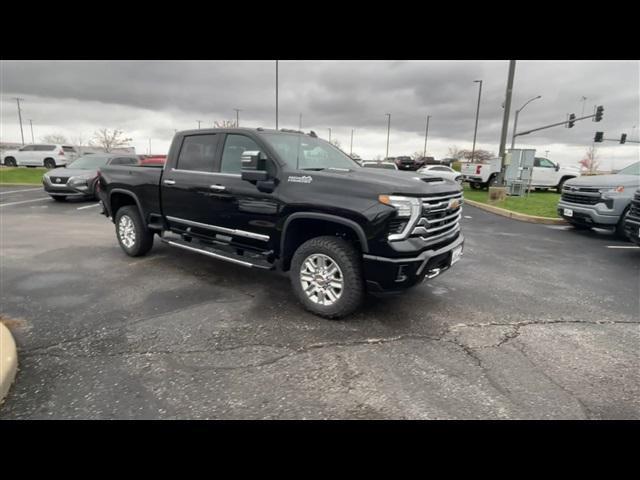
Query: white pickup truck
(546, 174)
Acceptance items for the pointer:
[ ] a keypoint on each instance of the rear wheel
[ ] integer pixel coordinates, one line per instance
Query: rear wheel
(59, 198)
(326, 276)
(475, 186)
(493, 179)
(49, 163)
(134, 237)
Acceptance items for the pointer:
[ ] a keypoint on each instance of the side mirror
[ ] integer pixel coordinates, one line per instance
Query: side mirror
(557, 167)
(254, 168)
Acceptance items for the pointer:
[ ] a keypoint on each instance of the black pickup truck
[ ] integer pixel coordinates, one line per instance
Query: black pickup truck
(285, 199)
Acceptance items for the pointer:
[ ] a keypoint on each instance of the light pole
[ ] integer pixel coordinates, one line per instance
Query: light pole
(31, 124)
(351, 148)
(388, 131)
(475, 131)
(515, 121)
(276, 94)
(237, 117)
(20, 118)
(199, 122)
(426, 132)
(329, 135)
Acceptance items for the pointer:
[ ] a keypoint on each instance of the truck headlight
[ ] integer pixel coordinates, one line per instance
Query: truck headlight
(611, 192)
(406, 207)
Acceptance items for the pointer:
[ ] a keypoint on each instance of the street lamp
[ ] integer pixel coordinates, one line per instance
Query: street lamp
(388, 130)
(237, 117)
(475, 131)
(426, 132)
(515, 122)
(199, 122)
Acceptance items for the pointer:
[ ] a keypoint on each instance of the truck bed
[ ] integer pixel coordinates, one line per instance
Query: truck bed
(142, 181)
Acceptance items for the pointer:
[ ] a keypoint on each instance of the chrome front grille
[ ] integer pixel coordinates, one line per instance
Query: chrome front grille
(440, 217)
(581, 195)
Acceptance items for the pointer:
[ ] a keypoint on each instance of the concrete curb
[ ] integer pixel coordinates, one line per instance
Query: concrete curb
(515, 215)
(8, 361)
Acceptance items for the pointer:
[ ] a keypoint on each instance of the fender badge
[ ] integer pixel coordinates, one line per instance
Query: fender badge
(303, 179)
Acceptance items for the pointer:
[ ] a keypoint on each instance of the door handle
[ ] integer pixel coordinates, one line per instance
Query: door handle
(169, 182)
(217, 188)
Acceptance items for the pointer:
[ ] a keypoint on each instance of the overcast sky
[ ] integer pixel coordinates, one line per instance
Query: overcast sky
(149, 99)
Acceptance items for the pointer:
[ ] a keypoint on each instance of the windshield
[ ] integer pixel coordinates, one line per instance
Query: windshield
(633, 169)
(89, 162)
(308, 153)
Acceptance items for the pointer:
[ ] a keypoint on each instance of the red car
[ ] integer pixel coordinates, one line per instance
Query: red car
(153, 159)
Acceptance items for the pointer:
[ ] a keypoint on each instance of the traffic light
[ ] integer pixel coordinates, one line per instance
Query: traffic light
(598, 137)
(599, 111)
(623, 138)
(572, 117)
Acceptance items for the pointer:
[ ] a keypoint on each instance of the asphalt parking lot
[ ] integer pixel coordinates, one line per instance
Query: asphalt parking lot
(535, 322)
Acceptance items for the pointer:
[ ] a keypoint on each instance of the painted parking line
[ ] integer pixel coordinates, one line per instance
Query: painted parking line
(88, 206)
(24, 201)
(17, 191)
(623, 246)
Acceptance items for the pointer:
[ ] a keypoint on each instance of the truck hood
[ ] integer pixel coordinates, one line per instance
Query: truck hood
(381, 182)
(605, 181)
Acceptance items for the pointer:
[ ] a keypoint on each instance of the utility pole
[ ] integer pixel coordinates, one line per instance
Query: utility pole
(388, 131)
(276, 94)
(329, 135)
(351, 148)
(31, 123)
(426, 133)
(237, 117)
(505, 119)
(199, 122)
(475, 131)
(20, 117)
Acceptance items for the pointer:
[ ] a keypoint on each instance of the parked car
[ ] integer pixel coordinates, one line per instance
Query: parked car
(405, 163)
(270, 199)
(600, 200)
(632, 219)
(374, 164)
(545, 175)
(40, 155)
(80, 179)
(441, 171)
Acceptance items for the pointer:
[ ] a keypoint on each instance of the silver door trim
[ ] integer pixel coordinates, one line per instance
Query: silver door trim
(216, 228)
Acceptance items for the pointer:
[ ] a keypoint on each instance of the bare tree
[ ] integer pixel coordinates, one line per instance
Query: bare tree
(56, 138)
(478, 155)
(455, 153)
(416, 155)
(590, 162)
(110, 139)
(224, 124)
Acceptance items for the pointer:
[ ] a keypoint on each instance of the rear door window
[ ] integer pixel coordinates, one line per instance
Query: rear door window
(198, 153)
(44, 148)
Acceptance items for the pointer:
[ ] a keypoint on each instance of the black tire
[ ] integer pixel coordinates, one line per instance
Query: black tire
(347, 258)
(620, 233)
(49, 163)
(491, 182)
(142, 236)
(10, 162)
(475, 186)
(59, 198)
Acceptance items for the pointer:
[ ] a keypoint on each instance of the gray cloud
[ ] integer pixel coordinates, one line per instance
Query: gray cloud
(154, 97)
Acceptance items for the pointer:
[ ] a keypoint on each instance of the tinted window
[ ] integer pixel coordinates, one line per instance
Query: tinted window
(69, 149)
(234, 147)
(440, 169)
(124, 161)
(44, 148)
(28, 148)
(198, 152)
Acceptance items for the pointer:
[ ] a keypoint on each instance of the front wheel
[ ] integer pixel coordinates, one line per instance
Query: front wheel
(620, 232)
(326, 276)
(560, 185)
(134, 237)
(10, 162)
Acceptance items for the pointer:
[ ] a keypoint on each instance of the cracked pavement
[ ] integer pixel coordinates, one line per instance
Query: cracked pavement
(533, 323)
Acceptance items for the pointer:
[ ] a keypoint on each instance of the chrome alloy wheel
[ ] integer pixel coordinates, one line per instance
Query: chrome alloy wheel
(127, 231)
(321, 279)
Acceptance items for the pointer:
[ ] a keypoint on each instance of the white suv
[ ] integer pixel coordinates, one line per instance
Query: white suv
(40, 155)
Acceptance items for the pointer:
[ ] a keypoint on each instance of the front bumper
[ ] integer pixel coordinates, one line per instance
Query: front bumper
(66, 190)
(393, 275)
(632, 229)
(597, 215)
